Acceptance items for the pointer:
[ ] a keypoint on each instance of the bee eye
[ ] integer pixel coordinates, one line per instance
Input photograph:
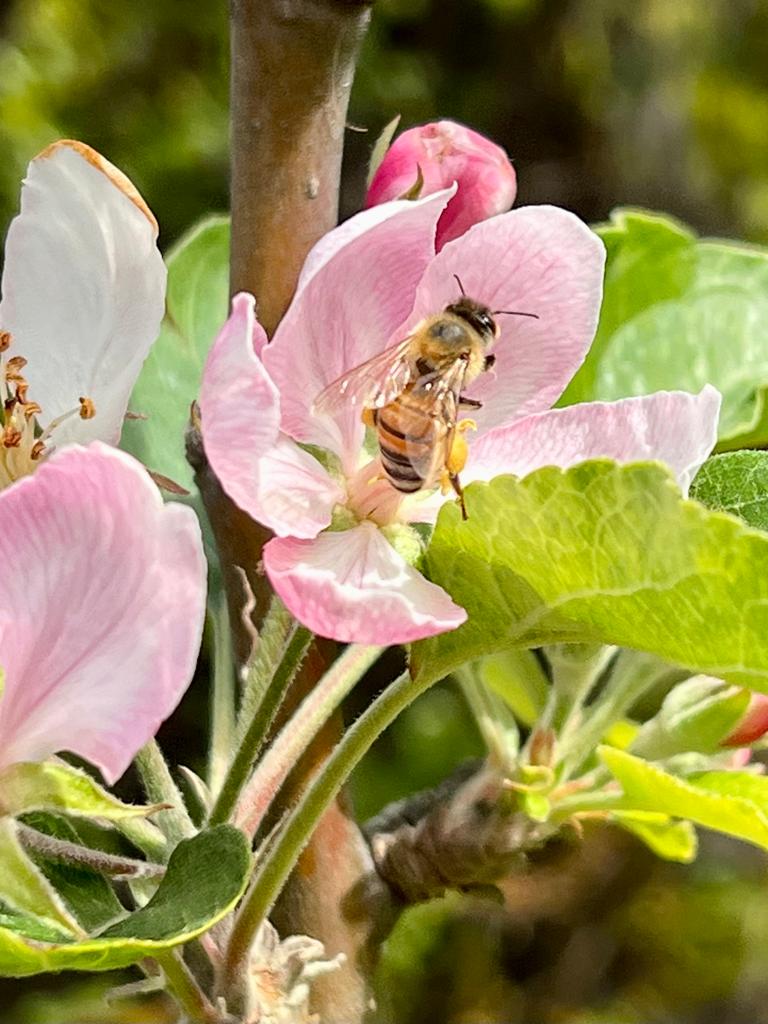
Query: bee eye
(485, 322)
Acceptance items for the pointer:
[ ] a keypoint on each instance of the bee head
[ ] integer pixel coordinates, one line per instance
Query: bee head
(477, 315)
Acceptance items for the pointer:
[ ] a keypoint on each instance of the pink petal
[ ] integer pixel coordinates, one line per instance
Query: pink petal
(753, 725)
(358, 284)
(103, 598)
(352, 586)
(83, 287)
(670, 426)
(445, 152)
(537, 259)
(264, 472)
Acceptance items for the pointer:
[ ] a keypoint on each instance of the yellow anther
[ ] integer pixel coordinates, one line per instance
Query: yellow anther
(87, 408)
(467, 424)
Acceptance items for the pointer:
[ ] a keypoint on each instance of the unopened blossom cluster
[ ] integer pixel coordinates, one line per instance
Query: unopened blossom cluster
(344, 557)
(102, 593)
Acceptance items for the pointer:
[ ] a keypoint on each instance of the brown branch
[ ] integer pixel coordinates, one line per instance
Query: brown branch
(464, 834)
(292, 67)
(293, 62)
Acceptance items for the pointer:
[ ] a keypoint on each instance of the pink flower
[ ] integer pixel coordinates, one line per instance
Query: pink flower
(102, 597)
(437, 155)
(83, 295)
(753, 725)
(342, 558)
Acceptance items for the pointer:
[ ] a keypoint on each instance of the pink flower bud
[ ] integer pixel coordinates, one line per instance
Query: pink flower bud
(431, 157)
(753, 725)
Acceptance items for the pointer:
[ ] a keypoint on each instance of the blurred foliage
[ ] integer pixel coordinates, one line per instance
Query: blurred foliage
(655, 103)
(599, 102)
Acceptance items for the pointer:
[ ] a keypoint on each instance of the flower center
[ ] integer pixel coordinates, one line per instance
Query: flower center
(23, 442)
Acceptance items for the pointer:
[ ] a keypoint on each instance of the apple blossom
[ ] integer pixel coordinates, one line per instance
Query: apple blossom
(432, 157)
(343, 556)
(83, 294)
(102, 598)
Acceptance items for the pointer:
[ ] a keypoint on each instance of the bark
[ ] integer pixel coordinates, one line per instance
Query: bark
(293, 63)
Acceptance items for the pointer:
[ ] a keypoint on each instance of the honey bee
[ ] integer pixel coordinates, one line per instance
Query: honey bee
(412, 392)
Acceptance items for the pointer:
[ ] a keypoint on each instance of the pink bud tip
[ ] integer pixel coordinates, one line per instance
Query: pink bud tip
(753, 725)
(431, 157)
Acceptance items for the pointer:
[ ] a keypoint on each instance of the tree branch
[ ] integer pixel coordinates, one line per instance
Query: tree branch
(293, 62)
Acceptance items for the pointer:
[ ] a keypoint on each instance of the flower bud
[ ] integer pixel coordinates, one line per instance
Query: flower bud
(431, 157)
(752, 726)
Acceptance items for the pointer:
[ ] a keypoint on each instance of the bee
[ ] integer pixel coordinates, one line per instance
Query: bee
(412, 392)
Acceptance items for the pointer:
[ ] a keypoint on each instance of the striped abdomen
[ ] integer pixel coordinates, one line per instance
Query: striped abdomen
(413, 439)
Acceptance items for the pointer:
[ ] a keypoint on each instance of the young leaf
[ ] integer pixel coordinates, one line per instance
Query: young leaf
(206, 876)
(697, 715)
(49, 786)
(646, 787)
(196, 306)
(737, 483)
(679, 312)
(603, 553)
(24, 888)
(670, 840)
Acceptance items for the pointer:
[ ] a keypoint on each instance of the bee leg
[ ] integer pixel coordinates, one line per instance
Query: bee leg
(457, 458)
(489, 362)
(470, 403)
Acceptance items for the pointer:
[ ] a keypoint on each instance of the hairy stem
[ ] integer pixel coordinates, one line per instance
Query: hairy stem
(276, 630)
(222, 697)
(257, 731)
(297, 734)
(75, 853)
(198, 1009)
(175, 823)
(276, 865)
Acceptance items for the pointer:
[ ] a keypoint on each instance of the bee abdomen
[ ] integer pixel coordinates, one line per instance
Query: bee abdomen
(403, 451)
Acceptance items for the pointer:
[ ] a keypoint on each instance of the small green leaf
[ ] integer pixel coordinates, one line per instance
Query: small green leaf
(735, 483)
(670, 840)
(605, 553)
(380, 148)
(24, 888)
(46, 786)
(517, 677)
(679, 312)
(196, 307)
(746, 785)
(646, 787)
(206, 876)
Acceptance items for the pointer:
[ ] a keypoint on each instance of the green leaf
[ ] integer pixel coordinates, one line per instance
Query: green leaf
(46, 786)
(206, 876)
(517, 677)
(88, 894)
(745, 785)
(646, 787)
(24, 888)
(679, 312)
(735, 483)
(605, 553)
(196, 307)
(670, 840)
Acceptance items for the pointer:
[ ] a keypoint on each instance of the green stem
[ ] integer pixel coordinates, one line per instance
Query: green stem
(183, 986)
(495, 722)
(255, 735)
(288, 746)
(278, 862)
(277, 629)
(633, 675)
(175, 823)
(222, 696)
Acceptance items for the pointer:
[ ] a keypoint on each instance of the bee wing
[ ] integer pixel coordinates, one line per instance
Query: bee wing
(373, 384)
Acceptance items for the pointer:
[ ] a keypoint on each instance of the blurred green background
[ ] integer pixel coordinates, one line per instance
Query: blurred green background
(660, 103)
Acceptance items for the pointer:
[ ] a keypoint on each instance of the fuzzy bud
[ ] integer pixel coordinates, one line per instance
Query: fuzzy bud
(752, 726)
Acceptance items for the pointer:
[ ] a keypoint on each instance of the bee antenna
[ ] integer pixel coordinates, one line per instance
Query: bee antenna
(461, 286)
(513, 312)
